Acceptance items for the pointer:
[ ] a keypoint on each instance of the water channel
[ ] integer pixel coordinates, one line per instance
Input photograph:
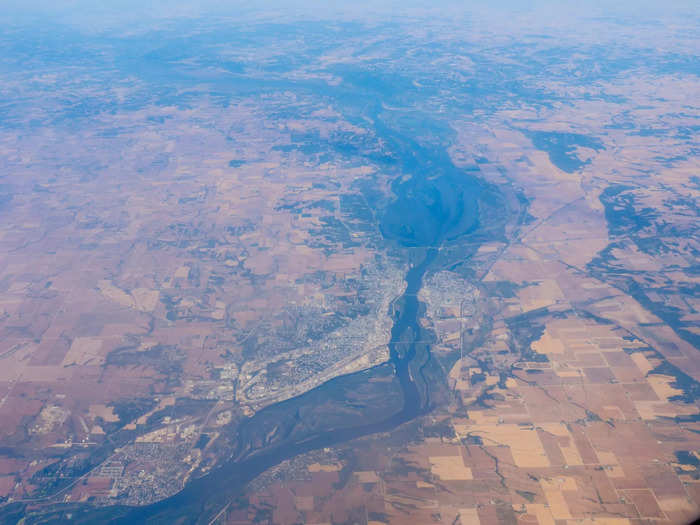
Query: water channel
(433, 206)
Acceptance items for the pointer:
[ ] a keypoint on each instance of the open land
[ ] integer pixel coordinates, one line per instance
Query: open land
(193, 276)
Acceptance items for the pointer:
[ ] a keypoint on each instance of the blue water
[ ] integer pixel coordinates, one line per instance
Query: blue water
(435, 203)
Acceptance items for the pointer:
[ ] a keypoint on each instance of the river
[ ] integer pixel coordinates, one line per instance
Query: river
(436, 205)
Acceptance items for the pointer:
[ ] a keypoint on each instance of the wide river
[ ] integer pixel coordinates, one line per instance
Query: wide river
(435, 204)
